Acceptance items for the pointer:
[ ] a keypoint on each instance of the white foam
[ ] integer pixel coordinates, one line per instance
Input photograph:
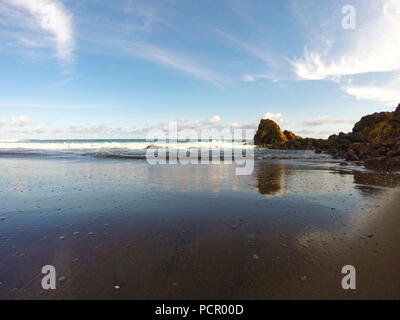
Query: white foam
(82, 146)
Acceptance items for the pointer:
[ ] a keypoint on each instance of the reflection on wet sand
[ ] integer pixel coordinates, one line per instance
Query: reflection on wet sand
(368, 182)
(192, 232)
(271, 178)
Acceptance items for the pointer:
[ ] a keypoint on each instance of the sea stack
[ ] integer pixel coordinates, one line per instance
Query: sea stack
(269, 133)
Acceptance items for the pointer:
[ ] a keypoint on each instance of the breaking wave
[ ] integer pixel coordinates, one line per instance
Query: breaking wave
(136, 149)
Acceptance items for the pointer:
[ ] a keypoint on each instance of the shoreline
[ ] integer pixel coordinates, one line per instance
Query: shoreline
(195, 232)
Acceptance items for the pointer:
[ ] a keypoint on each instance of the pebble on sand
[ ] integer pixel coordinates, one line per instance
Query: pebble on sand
(117, 287)
(90, 233)
(303, 278)
(76, 233)
(2, 218)
(255, 257)
(61, 237)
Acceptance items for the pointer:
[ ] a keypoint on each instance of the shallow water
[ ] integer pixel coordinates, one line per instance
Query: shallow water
(191, 232)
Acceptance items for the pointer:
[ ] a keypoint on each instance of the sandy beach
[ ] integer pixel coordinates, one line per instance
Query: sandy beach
(122, 229)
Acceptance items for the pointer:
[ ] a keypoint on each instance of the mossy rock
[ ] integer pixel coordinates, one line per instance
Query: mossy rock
(269, 133)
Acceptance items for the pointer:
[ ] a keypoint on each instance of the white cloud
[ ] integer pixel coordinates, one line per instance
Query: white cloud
(186, 124)
(373, 47)
(251, 125)
(38, 130)
(236, 125)
(323, 120)
(19, 121)
(277, 117)
(375, 93)
(214, 120)
(50, 17)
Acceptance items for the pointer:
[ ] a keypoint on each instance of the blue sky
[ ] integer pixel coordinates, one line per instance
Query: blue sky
(112, 69)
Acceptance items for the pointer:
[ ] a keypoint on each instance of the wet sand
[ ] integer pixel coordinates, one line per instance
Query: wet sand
(196, 232)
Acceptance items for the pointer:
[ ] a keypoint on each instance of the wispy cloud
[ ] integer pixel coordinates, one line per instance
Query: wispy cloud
(272, 63)
(251, 125)
(19, 121)
(167, 58)
(251, 49)
(373, 47)
(255, 77)
(318, 134)
(318, 121)
(370, 49)
(40, 23)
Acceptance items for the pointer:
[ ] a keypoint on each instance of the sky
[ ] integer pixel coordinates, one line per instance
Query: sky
(115, 69)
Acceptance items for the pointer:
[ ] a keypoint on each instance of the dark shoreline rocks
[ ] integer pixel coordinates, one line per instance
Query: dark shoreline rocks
(375, 141)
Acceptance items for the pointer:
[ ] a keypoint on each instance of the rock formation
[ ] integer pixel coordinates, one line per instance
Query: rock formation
(375, 140)
(291, 136)
(269, 133)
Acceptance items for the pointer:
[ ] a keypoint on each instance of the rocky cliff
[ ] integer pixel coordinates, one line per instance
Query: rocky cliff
(375, 140)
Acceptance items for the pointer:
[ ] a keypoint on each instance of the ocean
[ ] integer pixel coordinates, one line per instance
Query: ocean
(136, 148)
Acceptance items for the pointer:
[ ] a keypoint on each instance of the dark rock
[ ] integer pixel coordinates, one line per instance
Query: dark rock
(291, 136)
(269, 133)
(375, 139)
(394, 153)
(383, 163)
(351, 156)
